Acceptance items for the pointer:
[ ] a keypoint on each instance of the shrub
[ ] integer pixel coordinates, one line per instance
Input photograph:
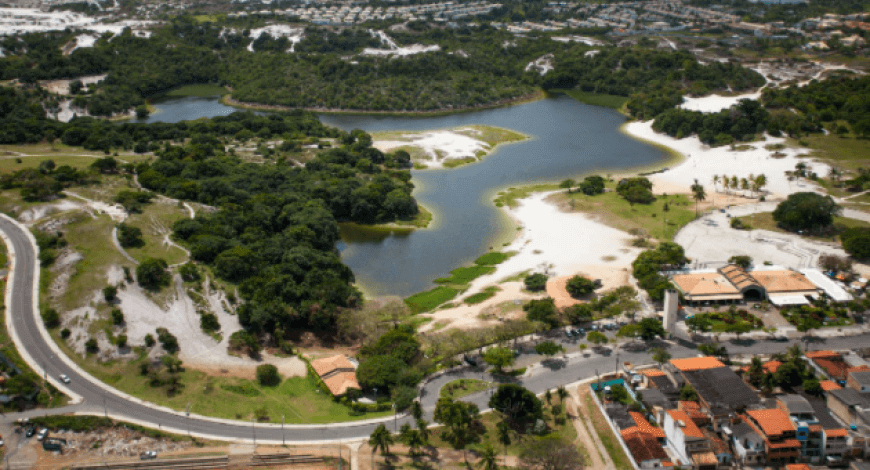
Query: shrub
(51, 318)
(117, 316)
(130, 237)
(91, 346)
(152, 274)
(65, 333)
(636, 190)
(167, 340)
(109, 293)
(209, 322)
(579, 286)
(806, 211)
(189, 272)
(403, 396)
(267, 375)
(536, 282)
(121, 341)
(149, 340)
(542, 310)
(856, 242)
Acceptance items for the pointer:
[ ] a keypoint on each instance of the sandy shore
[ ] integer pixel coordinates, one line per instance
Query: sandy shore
(702, 162)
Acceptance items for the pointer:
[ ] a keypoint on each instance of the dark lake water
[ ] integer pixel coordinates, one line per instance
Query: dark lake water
(569, 139)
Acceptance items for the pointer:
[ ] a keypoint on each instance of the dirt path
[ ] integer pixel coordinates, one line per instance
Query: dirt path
(597, 453)
(121, 249)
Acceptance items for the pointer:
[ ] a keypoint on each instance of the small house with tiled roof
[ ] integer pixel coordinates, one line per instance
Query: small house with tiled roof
(644, 447)
(337, 373)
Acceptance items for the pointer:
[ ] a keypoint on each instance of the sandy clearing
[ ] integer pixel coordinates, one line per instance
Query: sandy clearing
(439, 145)
(34, 214)
(26, 20)
(610, 277)
(469, 316)
(277, 31)
(402, 51)
(702, 162)
(61, 86)
(84, 40)
(542, 65)
(115, 211)
(715, 103)
(560, 243)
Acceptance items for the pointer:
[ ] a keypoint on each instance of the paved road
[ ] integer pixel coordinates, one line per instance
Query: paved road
(98, 398)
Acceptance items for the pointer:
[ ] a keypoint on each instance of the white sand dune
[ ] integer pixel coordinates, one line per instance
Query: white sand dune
(715, 103)
(440, 146)
(702, 162)
(277, 31)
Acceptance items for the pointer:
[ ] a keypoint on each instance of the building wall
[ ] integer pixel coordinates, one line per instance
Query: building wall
(676, 438)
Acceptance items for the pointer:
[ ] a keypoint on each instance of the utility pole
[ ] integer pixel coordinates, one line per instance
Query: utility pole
(187, 413)
(395, 419)
(105, 409)
(282, 431)
(254, 430)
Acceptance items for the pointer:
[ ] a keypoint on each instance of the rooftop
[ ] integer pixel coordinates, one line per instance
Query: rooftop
(643, 446)
(686, 424)
(861, 377)
(773, 422)
(645, 426)
(721, 389)
(704, 284)
(828, 385)
(696, 363)
(796, 404)
(783, 281)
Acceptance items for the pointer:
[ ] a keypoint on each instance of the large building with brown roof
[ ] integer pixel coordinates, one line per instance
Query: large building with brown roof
(779, 433)
(733, 283)
(721, 392)
(337, 373)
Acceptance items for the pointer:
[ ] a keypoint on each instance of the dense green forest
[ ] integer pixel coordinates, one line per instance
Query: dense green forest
(475, 66)
(275, 229)
(839, 103)
(655, 80)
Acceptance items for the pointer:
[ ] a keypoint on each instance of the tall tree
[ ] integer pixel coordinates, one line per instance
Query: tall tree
(698, 194)
(380, 439)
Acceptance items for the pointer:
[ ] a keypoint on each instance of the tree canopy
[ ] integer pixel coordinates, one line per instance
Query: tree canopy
(806, 211)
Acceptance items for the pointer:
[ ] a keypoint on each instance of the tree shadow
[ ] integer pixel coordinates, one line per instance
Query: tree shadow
(554, 364)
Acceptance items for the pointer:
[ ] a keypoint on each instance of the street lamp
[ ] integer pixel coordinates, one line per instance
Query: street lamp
(395, 419)
(282, 430)
(254, 430)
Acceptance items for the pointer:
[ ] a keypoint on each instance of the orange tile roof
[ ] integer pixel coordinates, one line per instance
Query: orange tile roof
(783, 281)
(835, 366)
(797, 466)
(693, 409)
(816, 428)
(770, 367)
(817, 354)
(329, 364)
(704, 458)
(696, 363)
(857, 369)
(338, 384)
(840, 432)
(652, 372)
(773, 422)
(704, 284)
(643, 446)
(738, 276)
(784, 444)
(828, 385)
(689, 428)
(645, 425)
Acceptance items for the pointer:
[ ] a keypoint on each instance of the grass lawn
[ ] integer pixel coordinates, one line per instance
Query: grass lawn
(511, 196)
(596, 99)
(611, 443)
(463, 387)
(479, 297)
(297, 398)
(613, 210)
(425, 301)
(496, 257)
(156, 221)
(848, 152)
(465, 275)
(764, 221)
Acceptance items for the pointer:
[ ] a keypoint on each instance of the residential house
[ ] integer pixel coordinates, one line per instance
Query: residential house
(644, 448)
(337, 373)
(779, 433)
(687, 441)
(747, 443)
(721, 392)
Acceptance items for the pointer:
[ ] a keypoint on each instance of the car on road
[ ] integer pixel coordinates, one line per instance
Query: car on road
(64, 378)
(42, 434)
(781, 339)
(148, 455)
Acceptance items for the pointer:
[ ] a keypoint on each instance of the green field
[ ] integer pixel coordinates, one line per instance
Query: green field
(480, 297)
(613, 210)
(764, 221)
(156, 221)
(298, 399)
(465, 275)
(425, 301)
(463, 387)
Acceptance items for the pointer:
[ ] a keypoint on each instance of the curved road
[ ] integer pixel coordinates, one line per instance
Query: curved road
(100, 398)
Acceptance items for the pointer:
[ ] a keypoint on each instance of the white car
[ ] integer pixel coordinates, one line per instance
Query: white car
(148, 455)
(64, 378)
(41, 434)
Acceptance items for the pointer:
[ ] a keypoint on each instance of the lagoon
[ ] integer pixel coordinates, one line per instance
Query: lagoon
(568, 139)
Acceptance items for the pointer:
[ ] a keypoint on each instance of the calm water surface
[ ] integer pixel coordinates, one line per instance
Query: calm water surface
(568, 139)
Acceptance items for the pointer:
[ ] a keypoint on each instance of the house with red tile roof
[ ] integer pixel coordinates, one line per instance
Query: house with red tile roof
(644, 447)
(779, 433)
(828, 385)
(337, 373)
(687, 441)
(644, 426)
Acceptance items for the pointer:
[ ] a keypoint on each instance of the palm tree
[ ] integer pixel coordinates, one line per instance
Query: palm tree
(698, 194)
(744, 184)
(760, 181)
(380, 439)
(488, 458)
(415, 441)
(726, 183)
(716, 183)
(835, 175)
(562, 394)
(735, 184)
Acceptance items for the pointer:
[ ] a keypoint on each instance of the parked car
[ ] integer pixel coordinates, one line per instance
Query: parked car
(30, 432)
(149, 455)
(64, 378)
(780, 338)
(42, 434)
